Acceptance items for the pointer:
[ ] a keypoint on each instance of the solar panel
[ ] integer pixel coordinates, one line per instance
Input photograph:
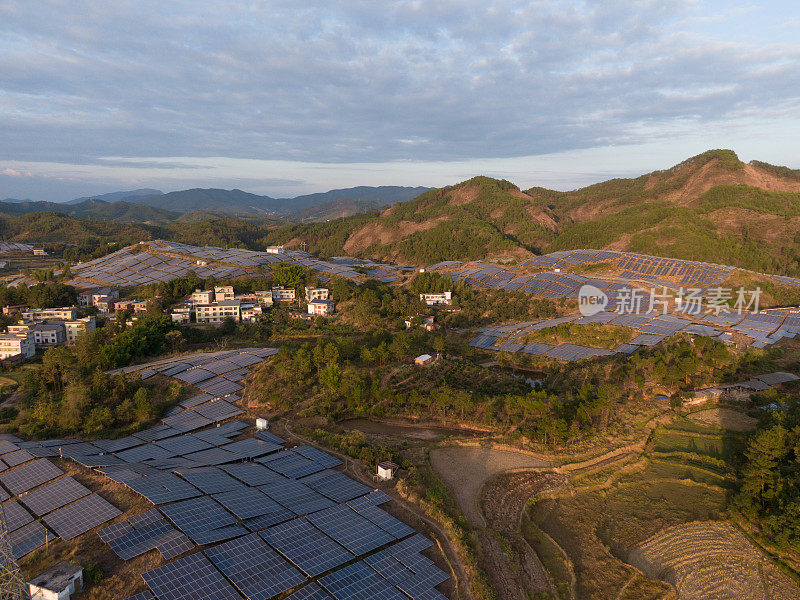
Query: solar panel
(212, 456)
(162, 487)
(251, 448)
(188, 420)
(192, 577)
(54, 495)
(159, 432)
(306, 547)
(335, 485)
(18, 457)
(16, 515)
(270, 437)
(211, 480)
(391, 525)
(295, 496)
(28, 476)
(28, 538)
(143, 453)
(358, 581)
(81, 516)
(253, 474)
(203, 520)
(138, 534)
(290, 464)
(174, 544)
(257, 570)
(350, 529)
(249, 502)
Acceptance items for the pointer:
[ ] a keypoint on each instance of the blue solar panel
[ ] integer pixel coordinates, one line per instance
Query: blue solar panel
(306, 547)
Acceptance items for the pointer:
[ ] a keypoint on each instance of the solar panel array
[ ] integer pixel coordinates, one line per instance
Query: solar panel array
(159, 261)
(651, 328)
(81, 516)
(6, 247)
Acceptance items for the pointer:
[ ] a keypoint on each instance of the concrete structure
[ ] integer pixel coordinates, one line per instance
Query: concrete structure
(10, 311)
(444, 298)
(251, 313)
(69, 313)
(105, 304)
(59, 582)
(216, 312)
(19, 344)
(426, 322)
(317, 294)
(124, 305)
(282, 294)
(78, 326)
(262, 424)
(181, 313)
(202, 297)
(386, 470)
(89, 297)
(223, 292)
(275, 250)
(321, 307)
(49, 334)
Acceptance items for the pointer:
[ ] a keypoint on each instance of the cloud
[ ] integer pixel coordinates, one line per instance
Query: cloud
(360, 81)
(14, 173)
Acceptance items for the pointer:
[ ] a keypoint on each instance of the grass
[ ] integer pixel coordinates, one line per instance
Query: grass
(595, 335)
(549, 553)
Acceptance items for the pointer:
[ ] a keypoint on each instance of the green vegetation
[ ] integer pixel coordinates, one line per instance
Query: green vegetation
(42, 295)
(595, 335)
(71, 394)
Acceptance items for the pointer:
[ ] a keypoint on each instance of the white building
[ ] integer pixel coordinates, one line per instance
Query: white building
(202, 297)
(17, 344)
(49, 334)
(251, 313)
(386, 470)
(78, 326)
(182, 313)
(68, 313)
(444, 298)
(216, 312)
(321, 307)
(317, 294)
(275, 250)
(89, 297)
(282, 294)
(223, 292)
(59, 582)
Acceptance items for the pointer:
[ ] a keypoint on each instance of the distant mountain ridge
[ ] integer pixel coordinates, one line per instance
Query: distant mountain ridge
(117, 196)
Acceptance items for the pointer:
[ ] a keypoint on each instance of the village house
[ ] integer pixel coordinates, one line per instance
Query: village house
(282, 294)
(441, 299)
(216, 312)
(69, 313)
(223, 292)
(181, 313)
(317, 294)
(17, 345)
(321, 307)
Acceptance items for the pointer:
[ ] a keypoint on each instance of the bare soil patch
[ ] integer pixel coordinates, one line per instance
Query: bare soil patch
(381, 234)
(465, 469)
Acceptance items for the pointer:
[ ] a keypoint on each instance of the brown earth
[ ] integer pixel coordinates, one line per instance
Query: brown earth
(382, 234)
(727, 418)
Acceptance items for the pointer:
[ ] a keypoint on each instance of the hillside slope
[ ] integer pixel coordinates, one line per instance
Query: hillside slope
(710, 207)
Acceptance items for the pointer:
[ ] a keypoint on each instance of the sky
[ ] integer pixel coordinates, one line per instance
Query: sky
(283, 97)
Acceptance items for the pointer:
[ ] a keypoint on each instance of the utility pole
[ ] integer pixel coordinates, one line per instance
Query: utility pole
(12, 583)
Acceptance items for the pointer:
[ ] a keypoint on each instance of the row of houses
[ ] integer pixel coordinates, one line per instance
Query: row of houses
(741, 390)
(43, 328)
(214, 306)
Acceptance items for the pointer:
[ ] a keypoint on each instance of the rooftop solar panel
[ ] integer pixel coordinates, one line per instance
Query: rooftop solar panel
(257, 570)
(306, 547)
(81, 516)
(28, 476)
(192, 577)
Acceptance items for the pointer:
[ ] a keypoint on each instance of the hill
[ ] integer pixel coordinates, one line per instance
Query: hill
(711, 207)
(95, 210)
(115, 196)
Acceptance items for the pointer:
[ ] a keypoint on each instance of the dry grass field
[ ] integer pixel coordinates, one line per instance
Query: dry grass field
(711, 561)
(726, 418)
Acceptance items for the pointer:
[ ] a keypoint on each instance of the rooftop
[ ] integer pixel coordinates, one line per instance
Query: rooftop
(57, 578)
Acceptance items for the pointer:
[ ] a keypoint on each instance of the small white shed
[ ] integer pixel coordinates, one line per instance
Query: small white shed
(262, 424)
(386, 470)
(59, 582)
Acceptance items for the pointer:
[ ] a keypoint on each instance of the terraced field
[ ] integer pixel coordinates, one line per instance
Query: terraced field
(711, 561)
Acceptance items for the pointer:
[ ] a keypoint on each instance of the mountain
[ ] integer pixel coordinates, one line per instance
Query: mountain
(115, 196)
(711, 207)
(94, 210)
